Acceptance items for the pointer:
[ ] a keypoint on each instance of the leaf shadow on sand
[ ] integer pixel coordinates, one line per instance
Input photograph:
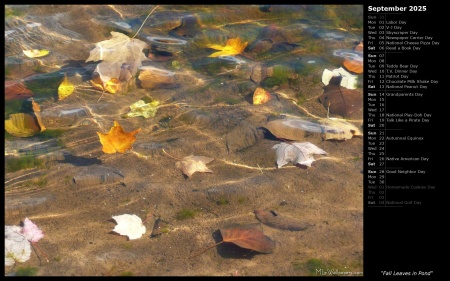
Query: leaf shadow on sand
(79, 160)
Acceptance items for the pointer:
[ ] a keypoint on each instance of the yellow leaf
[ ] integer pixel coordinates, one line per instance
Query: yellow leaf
(261, 96)
(65, 89)
(21, 125)
(36, 53)
(117, 140)
(112, 86)
(233, 47)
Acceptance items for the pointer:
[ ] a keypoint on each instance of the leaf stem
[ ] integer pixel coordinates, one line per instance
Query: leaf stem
(170, 155)
(206, 249)
(42, 252)
(144, 22)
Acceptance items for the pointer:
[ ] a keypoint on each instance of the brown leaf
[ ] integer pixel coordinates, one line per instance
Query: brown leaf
(16, 90)
(191, 164)
(117, 140)
(248, 237)
(340, 100)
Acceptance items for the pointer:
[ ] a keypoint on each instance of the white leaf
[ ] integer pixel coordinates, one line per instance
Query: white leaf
(296, 152)
(129, 225)
(17, 246)
(120, 49)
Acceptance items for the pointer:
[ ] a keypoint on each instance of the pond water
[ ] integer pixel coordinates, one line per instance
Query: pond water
(172, 113)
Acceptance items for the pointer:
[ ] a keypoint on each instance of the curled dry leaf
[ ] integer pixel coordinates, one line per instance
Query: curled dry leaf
(129, 225)
(233, 47)
(191, 164)
(297, 152)
(117, 140)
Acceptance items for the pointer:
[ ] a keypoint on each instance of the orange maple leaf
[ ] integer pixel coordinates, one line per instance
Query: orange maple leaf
(117, 139)
(233, 47)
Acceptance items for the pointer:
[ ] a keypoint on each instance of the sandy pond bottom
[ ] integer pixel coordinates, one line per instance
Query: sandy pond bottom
(73, 198)
(76, 218)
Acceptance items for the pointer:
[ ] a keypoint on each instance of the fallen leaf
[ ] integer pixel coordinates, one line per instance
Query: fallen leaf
(275, 220)
(111, 86)
(248, 237)
(18, 241)
(354, 66)
(129, 225)
(65, 89)
(140, 108)
(191, 164)
(31, 231)
(297, 152)
(17, 247)
(339, 100)
(234, 46)
(16, 90)
(37, 113)
(115, 52)
(36, 53)
(117, 140)
(261, 96)
(21, 125)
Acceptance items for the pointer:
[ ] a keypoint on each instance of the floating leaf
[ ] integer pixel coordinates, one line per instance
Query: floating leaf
(191, 164)
(129, 225)
(36, 53)
(21, 125)
(65, 89)
(117, 140)
(248, 237)
(354, 66)
(339, 100)
(275, 220)
(140, 108)
(261, 96)
(234, 46)
(297, 152)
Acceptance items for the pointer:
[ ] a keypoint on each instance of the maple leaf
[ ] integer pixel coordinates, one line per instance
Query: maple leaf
(191, 164)
(118, 50)
(140, 108)
(117, 140)
(129, 225)
(296, 152)
(233, 47)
